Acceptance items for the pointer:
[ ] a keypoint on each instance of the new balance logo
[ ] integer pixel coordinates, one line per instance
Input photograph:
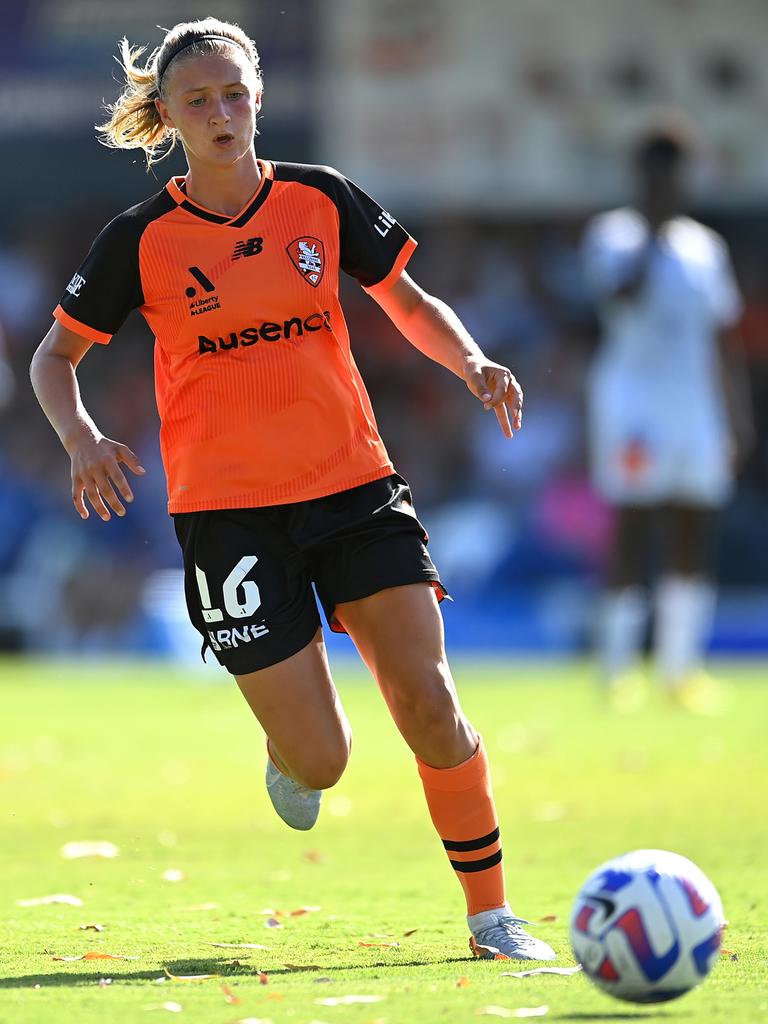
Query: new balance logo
(75, 285)
(250, 247)
(384, 223)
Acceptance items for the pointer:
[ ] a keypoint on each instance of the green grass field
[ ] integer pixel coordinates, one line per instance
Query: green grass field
(169, 768)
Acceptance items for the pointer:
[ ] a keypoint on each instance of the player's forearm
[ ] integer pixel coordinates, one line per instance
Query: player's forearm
(55, 385)
(434, 329)
(631, 287)
(734, 381)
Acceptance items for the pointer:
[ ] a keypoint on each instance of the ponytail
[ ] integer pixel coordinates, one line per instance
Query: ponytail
(134, 121)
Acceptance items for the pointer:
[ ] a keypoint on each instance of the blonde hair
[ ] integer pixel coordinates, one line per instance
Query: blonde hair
(134, 121)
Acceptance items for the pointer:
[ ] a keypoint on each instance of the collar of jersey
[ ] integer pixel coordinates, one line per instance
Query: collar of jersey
(176, 189)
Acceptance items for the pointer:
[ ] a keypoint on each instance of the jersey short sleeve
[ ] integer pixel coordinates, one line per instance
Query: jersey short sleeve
(107, 285)
(374, 247)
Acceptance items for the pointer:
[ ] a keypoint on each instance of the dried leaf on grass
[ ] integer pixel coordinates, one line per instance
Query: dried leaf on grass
(346, 1000)
(411, 931)
(298, 912)
(302, 967)
(229, 995)
(542, 970)
(91, 928)
(238, 945)
(94, 955)
(462, 982)
(57, 897)
(523, 1011)
(89, 848)
(264, 979)
(189, 977)
(379, 945)
(313, 856)
(485, 952)
(548, 918)
(729, 953)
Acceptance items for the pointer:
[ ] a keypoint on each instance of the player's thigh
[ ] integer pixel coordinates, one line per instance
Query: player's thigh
(249, 594)
(635, 529)
(299, 709)
(689, 533)
(398, 630)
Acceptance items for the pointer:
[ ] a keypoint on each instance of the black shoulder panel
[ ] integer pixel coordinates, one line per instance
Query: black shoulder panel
(370, 239)
(107, 285)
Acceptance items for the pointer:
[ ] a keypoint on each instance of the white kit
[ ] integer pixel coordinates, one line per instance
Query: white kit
(658, 423)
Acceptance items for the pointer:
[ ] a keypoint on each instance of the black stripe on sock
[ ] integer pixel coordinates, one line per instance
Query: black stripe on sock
(472, 844)
(477, 865)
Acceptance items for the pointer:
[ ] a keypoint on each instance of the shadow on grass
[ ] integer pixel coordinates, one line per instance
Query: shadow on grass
(633, 1015)
(224, 969)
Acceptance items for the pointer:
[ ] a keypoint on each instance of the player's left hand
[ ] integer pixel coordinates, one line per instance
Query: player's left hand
(497, 389)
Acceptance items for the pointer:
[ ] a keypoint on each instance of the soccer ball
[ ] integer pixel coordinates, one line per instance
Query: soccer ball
(646, 927)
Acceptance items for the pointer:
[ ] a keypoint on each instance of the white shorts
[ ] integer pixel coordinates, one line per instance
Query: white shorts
(639, 462)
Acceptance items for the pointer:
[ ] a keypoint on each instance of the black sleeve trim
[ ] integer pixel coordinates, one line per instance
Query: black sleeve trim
(107, 285)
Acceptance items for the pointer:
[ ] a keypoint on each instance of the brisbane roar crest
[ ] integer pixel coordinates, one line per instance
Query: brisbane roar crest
(308, 256)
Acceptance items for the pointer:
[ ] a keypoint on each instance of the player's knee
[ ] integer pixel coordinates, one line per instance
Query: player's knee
(428, 703)
(322, 767)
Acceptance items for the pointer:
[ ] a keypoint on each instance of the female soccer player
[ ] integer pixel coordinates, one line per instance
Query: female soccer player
(665, 417)
(277, 477)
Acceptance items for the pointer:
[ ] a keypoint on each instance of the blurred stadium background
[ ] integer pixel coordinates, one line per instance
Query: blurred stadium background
(492, 130)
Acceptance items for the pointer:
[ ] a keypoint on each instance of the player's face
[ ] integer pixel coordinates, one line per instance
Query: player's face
(212, 102)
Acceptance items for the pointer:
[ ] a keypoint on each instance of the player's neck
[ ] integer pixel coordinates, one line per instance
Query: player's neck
(659, 210)
(224, 190)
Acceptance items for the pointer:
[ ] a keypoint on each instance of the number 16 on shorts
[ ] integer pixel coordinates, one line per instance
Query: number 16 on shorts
(241, 599)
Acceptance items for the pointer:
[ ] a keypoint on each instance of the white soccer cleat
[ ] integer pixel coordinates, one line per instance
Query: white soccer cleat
(497, 932)
(297, 805)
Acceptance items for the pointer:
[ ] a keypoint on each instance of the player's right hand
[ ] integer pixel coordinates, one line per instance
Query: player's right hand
(96, 473)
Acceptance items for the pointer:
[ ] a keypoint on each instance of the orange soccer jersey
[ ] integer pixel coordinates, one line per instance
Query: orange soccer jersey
(259, 397)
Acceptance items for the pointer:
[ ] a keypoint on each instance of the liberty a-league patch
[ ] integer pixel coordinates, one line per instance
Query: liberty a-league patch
(308, 256)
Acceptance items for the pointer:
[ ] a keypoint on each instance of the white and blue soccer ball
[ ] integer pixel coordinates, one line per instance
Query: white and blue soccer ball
(647, 926)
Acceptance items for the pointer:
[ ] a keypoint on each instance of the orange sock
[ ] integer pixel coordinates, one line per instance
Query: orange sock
(461, 805)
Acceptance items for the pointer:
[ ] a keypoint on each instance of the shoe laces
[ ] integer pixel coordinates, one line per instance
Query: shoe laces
(507, 927)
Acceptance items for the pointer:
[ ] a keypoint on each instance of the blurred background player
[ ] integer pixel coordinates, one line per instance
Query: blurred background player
(666, 418)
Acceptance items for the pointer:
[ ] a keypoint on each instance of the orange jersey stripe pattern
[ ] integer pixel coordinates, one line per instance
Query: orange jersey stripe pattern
(259, 397)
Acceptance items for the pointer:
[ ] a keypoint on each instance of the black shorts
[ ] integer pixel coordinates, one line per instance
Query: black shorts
(248, 572)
